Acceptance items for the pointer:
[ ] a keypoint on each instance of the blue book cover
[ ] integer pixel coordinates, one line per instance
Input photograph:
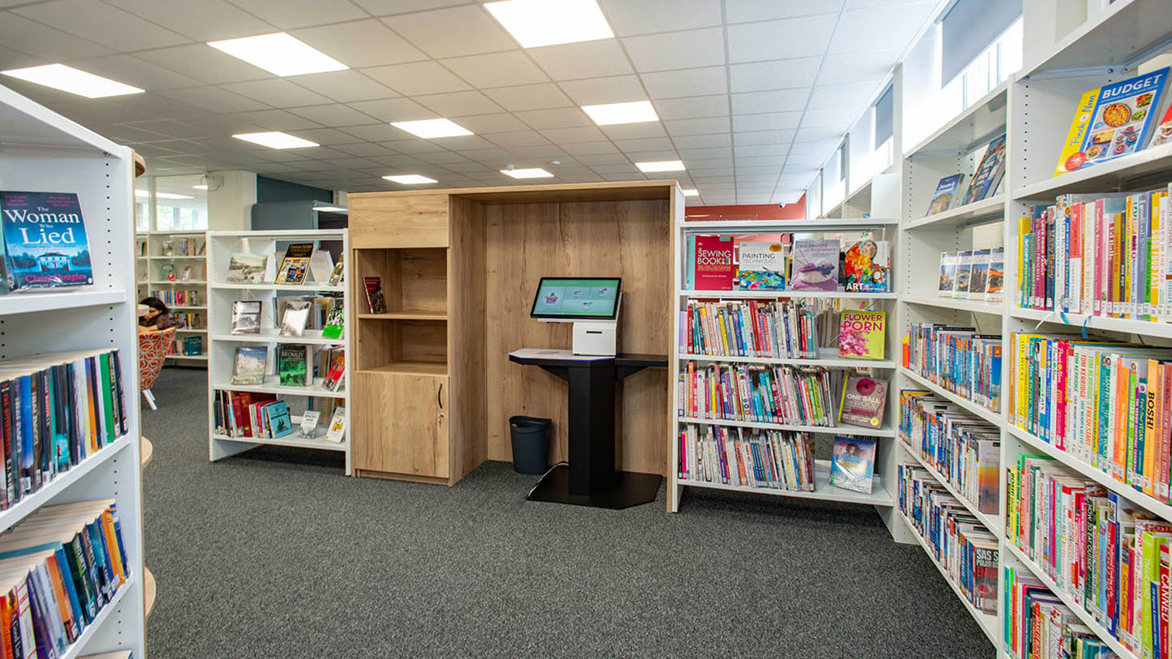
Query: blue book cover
(852, 464)
(44, 240)
(278, 419)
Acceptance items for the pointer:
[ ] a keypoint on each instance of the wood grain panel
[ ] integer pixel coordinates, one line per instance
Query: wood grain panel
(380, 219)
(416, 444)
(630, 239)
(420, 280)
(466, 357)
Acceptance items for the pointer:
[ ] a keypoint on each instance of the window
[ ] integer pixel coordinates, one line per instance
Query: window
(179, 204)
(884, 116)
(968, 28)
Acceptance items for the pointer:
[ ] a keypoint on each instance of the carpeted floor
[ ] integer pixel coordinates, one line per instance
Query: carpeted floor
(279, 555)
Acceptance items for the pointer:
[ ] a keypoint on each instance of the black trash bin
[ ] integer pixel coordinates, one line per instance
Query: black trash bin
(530, 444)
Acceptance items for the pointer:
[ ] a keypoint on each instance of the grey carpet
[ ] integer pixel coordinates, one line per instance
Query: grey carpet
(279, 555)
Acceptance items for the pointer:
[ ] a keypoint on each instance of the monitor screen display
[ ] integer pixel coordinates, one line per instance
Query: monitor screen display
(572, 298)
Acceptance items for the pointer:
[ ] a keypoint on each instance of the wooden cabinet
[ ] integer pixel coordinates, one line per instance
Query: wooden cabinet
(408, 436)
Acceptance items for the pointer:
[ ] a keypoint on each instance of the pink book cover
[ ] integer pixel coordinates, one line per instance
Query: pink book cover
(1074, 288)
(1059, 433)
(1097, 217)
(714, 263)
(1039, 263)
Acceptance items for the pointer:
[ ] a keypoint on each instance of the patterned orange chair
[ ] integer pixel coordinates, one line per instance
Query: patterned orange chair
(152, 348)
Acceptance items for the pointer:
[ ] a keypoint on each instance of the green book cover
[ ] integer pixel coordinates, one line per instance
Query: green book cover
(107, 399)
(292, 363)
(862, 334)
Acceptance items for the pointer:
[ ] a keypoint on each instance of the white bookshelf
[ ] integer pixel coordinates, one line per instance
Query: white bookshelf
(46, 152)
(881, 497)
(157, 281)
(222, 343)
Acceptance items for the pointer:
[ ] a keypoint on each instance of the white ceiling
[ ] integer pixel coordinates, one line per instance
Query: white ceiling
(752, 94)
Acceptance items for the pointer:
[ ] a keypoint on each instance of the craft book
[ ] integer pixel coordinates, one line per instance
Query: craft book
(713, 263)
(815, 265)
(1112, 121)
(852, 465)
(947, 192)
(862, 335)
(988, 176)
(45, 242)
(867, 264)
(761, 266)
(863, 400)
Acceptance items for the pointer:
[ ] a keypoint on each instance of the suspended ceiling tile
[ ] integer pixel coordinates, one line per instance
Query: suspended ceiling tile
(880, 27)
(288, 14)
(554, 118)
(767, 121)
(750, 138)
(417, 78)
(459, 104)
(53, 45)
(687, 82)
(651, 149)
(516, 139)
(344, 86)
(102, 24)
(744, 11)
(334, 115)
(389, 7)
(465, 142)
(590, 59)
(789, 38)
(634, 131)
(361, 44)
(776, 74)
(506, 69)
(701, 126)
(364, 149)
(139, 73)
(452, 32)
(215, 99)
(205, 20)
(677, 50)
(585, 149)
(693, 107)
(277, 93)
(855, 94)
(530, 97)
(866, 66)
(702, 141)
(775, 150)
(373, 133)
(630, 17)
(779, 100)
(203, 63)
(572, 135)
(394, 109)
(500, 122)
(277, 120)
(617, 89)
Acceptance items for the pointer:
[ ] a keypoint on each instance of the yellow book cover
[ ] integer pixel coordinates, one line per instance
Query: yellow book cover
(1152, 412)
(1069, 159)
(1156, 255)
(1024, 283)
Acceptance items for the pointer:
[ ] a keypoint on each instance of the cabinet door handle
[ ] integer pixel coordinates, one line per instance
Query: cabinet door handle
(439, 400)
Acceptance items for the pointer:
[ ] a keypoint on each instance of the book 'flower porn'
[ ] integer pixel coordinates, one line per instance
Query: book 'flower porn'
(852, 465)
(1112, 121)
(861, 334)
(815, 265)
(713, 262)
(45, 243)
(866, 265)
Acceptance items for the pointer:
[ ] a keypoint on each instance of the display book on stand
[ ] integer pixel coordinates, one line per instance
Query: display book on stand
(593, 368)
(758, 375)
(285, 345)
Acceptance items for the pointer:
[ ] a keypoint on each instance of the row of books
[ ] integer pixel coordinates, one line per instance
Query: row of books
(188, 320)
(1038, 625)
(984, 183)
(1107, 404)
(295, 314)
(959, 359)
(966, 550)
(297, 365)
(247, 415)
(64, 564)
(972, 275)
(761, 394)
(780, 261)
(189, 272)
(745, 457)
(179, 298)
(188, 346)
(182, 247)
(781, 329)
(1104, 255)
(964, 449)
(300, 260)
(1096, 547)
(58, 409)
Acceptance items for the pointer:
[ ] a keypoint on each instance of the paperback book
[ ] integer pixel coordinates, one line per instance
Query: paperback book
(947, 192)
(761, 266)
(295, 318)
(1112, 121)
(45, 243)
(293, 365)
(863, 401)
(246, 268)
(994, 290)
(852, 465)
(862, 335)
(246, 317)
(866, 265)
(332, 381)
(336, 274)
(335, 323)
(964, 271)
(947, 274)
(815, 265)
(321, 266)
(713, 263)
(979, 274)
(337, 430)
(295, 264)
(250, 364)
(277, 420)
(308, 427)
(989, 173)
(374, 294)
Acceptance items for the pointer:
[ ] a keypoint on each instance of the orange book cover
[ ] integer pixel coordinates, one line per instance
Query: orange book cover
(112, 542)
(7, 609)
(1119, 423)
(62, 598)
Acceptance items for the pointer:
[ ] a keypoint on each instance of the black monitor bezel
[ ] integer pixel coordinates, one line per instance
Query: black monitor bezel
(556, 316)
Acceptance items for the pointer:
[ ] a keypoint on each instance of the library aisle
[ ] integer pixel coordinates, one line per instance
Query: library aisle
(482, 572)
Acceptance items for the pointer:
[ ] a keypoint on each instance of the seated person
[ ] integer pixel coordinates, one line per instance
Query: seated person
(156, 316)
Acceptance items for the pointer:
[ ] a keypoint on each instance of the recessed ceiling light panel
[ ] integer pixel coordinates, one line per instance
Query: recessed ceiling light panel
(199, 187)
(275, 140)
(409, 179)
(621, 113)
(69, 79)
(535, 172)
(280, 54)
(661, 166)
(432, 128)
(691, 192)
(536, 23)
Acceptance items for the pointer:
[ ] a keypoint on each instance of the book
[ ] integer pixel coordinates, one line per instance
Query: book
(753, 328)
(947, 274)
(168, 270)
(321, 266)
(746, 457)
(1163, 132)
(947, 192)
(964, 271)
(337, 431)
(761, 394)
(994, 289)
(277, 420)
(990, 171)
(186, 276)
(852, 463)
(308, 427)
(246, 317)
(713, 263)
(295, 264)
(249, 366)
(979, 274)
(336, 275)
(193, 345)
(332, 380)
(334, 323)
(815, 265)
(965, 451)
(45, 244)
(862, 334)
(246, 268)
(959, 359)
(866, 266)
(295, 318)
(293, 365)
(167, 248)
(1112, 121)
(374, 294)
(863, 401)
(761, 266)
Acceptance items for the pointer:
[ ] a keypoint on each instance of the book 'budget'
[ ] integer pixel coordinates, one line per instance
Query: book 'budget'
(1112, 121)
